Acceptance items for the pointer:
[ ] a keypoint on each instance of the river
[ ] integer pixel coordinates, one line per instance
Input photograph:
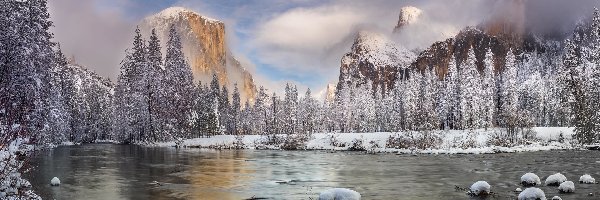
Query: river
(108, 171)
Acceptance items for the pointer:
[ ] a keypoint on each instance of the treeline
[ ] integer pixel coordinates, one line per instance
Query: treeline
(530, 89)
(47, 99)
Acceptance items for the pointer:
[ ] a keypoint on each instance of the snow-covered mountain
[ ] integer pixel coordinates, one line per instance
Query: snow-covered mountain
(376, 58)
(204, 45)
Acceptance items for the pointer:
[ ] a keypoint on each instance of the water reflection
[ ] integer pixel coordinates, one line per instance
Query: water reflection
(220, 177)
(129, 172)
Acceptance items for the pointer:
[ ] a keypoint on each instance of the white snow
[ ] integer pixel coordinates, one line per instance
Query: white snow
(556, 198)
(586, 178)
(55, 181)
(339, 194)
(410, 14)
(567, 187)
(380, 50)
(532, 194)
(555, 179)
(530, 179)
(480, 188)
(175, 12)
(452, 142)
(518, 190)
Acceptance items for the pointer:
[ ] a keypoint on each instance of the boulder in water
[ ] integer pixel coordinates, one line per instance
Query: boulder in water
(339, 194)
(55, 181)
(530, 179)
(555, 179)
(532, 194)
(567, 187)
(480, 188)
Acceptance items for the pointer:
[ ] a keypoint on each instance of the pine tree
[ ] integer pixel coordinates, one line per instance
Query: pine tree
(450, 103)
(26, 59)
(132, 117)
(509, 96)
(179, 76)
(235, 110)
(488, 91)
(155, 90)
(470, 92)
(225, 110)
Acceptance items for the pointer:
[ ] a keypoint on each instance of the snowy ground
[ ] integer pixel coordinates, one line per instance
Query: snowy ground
(448, 142)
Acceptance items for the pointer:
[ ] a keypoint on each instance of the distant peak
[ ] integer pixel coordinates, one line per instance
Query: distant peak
(408, 15)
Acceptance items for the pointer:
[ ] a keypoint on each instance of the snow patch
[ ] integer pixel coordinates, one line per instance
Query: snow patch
(532, 194)
(530, 179)
(339, 194)
(555, 179)
(452, 142)
(587, 179)
(556, 198)
(380, 51)
(567, 187)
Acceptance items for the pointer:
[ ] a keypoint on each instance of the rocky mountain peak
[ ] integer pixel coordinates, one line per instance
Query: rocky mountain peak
(408, 15)
(181, 12)
(376, 58)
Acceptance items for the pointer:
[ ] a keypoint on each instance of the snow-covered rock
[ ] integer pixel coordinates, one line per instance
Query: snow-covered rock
(339, 194)
(587, 179)
(532, 194)
(480, 188)
(530, 179)
(55, 181)
(567, 187)
(556, 198)
(518, 190)
(555, 179)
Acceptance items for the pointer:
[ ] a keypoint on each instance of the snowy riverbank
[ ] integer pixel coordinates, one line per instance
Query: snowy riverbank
(435, 142)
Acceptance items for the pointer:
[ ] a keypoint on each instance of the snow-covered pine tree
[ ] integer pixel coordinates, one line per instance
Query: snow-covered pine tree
(225, 110)
(155, 89)
(308, 113)
(132, 118)
(410, 100)
(276, 116)
(26, 58)
(397, 119)
(427, 91)
(235, 110)
(259, 112)
(181, 91)
(584, 121)
(488, 91)
(450, 103)
(509, 96)
(470, 93)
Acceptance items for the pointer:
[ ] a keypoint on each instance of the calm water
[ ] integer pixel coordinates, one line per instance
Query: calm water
(104, 171)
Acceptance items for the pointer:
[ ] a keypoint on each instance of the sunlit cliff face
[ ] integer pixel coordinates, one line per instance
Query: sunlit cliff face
(204, 46)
